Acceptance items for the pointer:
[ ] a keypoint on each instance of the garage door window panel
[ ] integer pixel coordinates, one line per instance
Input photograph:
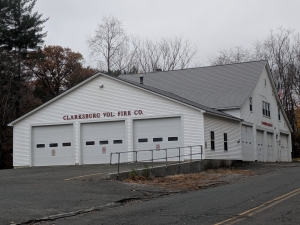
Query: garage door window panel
(40, 145)
(172, 138)
(52, 145)
(157, 139)
(67, 144)
(103, 142)
(90, 143)
(118, 141)
(142, 140)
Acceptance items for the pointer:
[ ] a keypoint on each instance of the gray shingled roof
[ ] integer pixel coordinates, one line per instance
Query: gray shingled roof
(178, 98)
(226, 86)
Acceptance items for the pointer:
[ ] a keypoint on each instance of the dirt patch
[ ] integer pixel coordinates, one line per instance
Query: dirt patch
(194, 181)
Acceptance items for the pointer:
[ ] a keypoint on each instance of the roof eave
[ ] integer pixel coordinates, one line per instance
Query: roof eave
(277, 98)
(224, 116)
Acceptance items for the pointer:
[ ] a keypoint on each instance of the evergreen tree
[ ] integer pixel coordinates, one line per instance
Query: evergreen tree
(20, 31)
(20, 28)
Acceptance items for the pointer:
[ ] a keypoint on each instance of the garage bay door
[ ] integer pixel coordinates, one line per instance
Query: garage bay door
(53, 145)
(157, 134)
(270, 147)
(284, 147)
(259, 145)
(247, 143)
(98, 140)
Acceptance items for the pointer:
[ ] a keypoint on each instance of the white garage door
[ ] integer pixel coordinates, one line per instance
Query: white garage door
(270, 147)
(98, 140)
(157, 134)
(259, 145)
(247, 143)
(284, 147)
(53, 145)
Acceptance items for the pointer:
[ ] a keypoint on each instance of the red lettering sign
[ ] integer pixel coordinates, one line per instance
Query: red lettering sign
(98, 115)
(267, 124)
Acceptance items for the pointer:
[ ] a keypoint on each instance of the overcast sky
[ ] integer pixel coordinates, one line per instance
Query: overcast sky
(211, 25)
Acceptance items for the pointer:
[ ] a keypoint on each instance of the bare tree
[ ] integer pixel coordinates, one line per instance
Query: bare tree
(233, 55)
(165, 54)
(110, 45)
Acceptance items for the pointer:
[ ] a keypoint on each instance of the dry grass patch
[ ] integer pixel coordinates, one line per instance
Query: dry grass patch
(193, 181)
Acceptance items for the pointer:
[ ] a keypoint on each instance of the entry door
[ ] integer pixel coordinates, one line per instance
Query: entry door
(157, 134)
(270, 147)
(284, 147)
(247, 143)
(53, 145)
(98, 140)
(260, 147)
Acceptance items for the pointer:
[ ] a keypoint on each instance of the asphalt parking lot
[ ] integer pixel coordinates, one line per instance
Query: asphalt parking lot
(32, 193)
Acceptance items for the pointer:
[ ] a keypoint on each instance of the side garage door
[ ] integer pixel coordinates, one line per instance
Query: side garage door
(247, 143)
(157, 134)
(98, 140)
(284, 147)
(260, 147)
(53, 145)
(270, 147)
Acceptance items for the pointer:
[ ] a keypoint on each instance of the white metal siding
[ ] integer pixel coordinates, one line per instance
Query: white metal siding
(163, 128)
(247, 143)
(260, 145)
(261, 93)
(96, 153)
(46, 155)
(113, 97)
(221, 126)
(265, 93)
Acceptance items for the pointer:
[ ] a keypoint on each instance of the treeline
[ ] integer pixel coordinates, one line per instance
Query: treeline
(30, 73)
(116, 52)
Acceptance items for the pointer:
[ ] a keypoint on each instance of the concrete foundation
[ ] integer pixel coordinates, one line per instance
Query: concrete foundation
(182, 168)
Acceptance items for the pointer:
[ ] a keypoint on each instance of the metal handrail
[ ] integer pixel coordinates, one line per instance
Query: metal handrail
(152, 159)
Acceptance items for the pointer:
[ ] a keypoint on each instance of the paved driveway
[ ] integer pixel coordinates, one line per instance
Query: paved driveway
(32, 193)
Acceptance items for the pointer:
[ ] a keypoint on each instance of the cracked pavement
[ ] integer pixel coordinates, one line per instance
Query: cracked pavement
(34, 193)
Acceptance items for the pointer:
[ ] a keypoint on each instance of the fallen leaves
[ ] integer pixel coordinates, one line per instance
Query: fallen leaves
(193, 181)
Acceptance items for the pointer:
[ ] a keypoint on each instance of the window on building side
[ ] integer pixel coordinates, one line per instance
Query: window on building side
(212, 140)
(250, 104)
(225, 142)
(279, 114)
(266, 109)
(265, 82)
